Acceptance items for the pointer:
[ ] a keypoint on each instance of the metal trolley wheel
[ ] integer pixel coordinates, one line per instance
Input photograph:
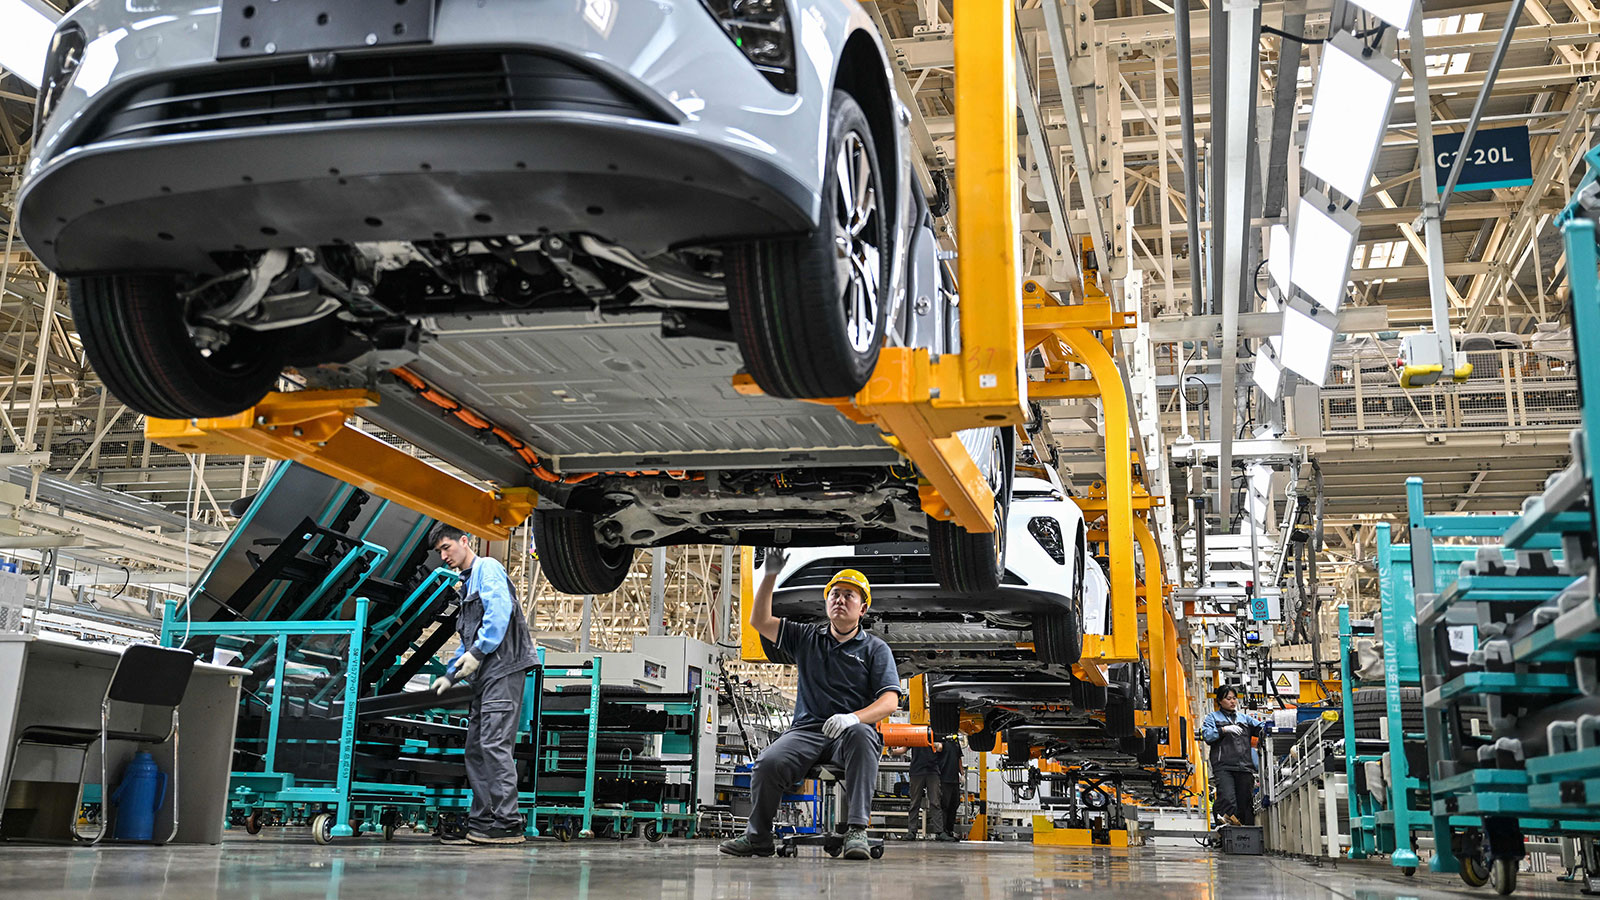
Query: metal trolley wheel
(322, 829)
(252, 823)
(653, 833)
(1474, 871)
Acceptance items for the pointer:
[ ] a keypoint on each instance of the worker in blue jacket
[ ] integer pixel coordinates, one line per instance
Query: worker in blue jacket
(495, 655)
(1233, 766)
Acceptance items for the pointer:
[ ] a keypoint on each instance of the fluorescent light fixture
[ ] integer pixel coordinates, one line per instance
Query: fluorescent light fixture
(1395, 12)
(1307, 341)
(25, 32)
(1278, 257)
(1324, 240)
(1268, 375)
(1348, 114)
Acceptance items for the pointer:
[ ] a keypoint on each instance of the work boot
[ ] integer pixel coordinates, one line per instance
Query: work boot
(855, 843)
(911, 834)
(745, 845)
(944, 837)
(512, 835)
(1232, 819)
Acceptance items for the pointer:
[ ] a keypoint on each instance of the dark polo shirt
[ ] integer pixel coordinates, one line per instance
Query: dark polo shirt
(835, 677)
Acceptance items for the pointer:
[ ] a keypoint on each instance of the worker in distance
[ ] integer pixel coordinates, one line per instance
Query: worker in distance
(495, 655)
(847, 683)
(1233, 765)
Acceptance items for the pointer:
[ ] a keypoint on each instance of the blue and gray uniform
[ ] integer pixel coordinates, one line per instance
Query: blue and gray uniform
(1233, 766)
(490, 625)
(835, 677)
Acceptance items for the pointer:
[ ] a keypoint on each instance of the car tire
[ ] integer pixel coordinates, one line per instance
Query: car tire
(1088, 696)
(1057, 641)
(975, 563)
(802, 332)
(135, 337)
(1119, 719)
(944, 717)
(571, 556)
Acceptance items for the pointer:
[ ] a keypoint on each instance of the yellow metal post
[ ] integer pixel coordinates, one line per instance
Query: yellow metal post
(750, 649)
(309, 427)
(1162, 655)
(988, 205)
(1124, 637)
(918, 704)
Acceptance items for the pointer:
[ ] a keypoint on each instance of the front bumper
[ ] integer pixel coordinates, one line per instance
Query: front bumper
(169, 202)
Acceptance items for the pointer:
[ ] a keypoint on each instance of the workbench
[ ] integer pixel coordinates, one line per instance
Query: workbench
(46, 679)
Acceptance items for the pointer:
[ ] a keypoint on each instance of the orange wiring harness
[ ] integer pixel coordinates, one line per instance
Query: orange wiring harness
(479, 424)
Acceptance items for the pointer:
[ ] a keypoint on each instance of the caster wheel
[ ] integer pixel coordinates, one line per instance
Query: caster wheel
(1408, 871)
(389, 830)
(652, 833)
(562, 833)
(252, 824)
(322, 829)
(877, 852)
(1503, 872)
(834, 851)
(1474, 871)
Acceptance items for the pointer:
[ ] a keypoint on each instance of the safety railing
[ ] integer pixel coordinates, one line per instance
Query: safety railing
(1508, 389)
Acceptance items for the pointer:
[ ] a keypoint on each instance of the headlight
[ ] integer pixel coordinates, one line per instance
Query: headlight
(61, 63)
(760, 28)
(1047, 531)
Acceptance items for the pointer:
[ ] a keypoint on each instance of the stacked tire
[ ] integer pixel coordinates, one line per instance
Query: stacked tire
(1370, 707)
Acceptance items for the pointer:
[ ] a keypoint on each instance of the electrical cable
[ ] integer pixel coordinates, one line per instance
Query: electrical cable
(1376, 30)
(127, 578)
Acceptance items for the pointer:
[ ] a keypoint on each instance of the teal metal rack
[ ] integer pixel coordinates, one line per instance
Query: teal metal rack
(567, 812)
(1513, 727)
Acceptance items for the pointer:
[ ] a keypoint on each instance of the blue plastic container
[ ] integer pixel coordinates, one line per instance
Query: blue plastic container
(138, 798)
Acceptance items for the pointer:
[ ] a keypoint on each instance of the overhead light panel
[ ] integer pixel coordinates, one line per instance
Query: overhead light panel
(1349, 112)
(1395, 12)
(1324, 239)
(1307, 341)
(1268, 375)
(25, 32)
(1278, 257)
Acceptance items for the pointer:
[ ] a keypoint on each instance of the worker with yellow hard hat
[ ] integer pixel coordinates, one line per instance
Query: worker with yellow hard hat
(847, 683)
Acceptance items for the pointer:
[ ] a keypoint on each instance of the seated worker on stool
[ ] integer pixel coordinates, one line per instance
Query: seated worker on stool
(496, 653)
(847, 684)
(1228, 731)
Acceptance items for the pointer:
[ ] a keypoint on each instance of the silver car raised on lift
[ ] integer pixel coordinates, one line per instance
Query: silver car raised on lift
(548, 233)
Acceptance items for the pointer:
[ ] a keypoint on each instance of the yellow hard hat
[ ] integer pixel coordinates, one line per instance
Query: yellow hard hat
(854, 579)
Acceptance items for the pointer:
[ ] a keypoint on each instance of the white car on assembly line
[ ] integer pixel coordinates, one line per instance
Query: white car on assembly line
(1049, 585)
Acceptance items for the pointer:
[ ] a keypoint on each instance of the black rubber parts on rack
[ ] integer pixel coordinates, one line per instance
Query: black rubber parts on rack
(945, 717)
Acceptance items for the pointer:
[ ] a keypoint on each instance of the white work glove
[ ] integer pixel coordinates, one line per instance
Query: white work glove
(775, 559)
(440, 685)
(467, 664)
(1232, 729)
(839, 723)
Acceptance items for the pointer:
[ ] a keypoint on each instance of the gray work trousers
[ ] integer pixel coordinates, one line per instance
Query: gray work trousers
(491, 768)
(787, 760)
(926, 788)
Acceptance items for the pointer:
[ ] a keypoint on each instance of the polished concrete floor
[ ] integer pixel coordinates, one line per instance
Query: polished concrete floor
(415, 868)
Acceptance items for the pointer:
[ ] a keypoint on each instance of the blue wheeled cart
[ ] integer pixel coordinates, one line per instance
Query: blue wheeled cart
(327, 596)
